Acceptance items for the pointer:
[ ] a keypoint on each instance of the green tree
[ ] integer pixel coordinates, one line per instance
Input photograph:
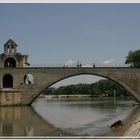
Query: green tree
(133, 58)
(95, 89)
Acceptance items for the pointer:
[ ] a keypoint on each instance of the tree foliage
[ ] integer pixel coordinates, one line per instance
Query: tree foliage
(133, 58)
(100, 88)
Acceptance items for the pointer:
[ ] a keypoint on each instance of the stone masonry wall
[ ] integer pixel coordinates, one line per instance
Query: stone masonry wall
(45, 77)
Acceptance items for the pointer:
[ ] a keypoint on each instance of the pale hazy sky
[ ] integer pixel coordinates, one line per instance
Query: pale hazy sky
(66, 33)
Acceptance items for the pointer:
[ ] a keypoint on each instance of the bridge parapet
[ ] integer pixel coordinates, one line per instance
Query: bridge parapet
(82, 65)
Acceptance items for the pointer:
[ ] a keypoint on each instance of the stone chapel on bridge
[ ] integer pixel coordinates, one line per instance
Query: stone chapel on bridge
(11, 57)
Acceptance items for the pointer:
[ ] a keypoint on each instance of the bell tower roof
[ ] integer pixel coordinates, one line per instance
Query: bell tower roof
(10, 47)
(10, 42)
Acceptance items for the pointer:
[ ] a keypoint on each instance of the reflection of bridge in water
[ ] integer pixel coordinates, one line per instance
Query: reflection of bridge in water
(24, 121)
(21, 84)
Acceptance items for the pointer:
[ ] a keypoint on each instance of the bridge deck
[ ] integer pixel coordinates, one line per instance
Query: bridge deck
(72, 68)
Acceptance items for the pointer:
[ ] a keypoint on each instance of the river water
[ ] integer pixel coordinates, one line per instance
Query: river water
(90, 117)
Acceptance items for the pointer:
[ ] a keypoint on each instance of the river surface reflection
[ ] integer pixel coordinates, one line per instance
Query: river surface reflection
(24, 121)
(91, 117)
(64, 118)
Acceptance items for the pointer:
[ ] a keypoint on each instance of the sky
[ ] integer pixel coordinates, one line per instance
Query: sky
(58, 33)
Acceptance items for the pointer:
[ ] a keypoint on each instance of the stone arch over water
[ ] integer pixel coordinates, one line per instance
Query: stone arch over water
(91, 74)
(45, 77)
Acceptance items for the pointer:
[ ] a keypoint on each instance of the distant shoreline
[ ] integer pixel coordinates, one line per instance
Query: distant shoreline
(80, 96)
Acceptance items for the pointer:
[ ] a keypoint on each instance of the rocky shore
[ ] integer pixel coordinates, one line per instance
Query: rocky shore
(131, 126)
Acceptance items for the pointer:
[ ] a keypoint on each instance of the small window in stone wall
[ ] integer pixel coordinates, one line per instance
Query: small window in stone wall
(28, 79)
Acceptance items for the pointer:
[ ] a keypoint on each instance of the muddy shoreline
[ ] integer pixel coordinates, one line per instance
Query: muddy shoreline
(129, 125)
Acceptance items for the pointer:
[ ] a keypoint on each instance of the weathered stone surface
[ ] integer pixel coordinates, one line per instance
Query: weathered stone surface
(129, 78)
(10, 97)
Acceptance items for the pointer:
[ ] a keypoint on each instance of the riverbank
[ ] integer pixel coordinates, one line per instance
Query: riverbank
(133, 127)
(79, 97)
(67, 96)
(76, 97)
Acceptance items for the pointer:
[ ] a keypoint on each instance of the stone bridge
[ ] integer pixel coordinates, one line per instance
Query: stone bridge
(21, 84)
(26, 92)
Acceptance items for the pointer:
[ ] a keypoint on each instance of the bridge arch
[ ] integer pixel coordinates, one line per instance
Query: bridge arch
(70, 76)
(44, 77)
(119, 83)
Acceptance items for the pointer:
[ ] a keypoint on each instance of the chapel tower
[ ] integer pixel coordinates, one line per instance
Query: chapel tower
(11, 58)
